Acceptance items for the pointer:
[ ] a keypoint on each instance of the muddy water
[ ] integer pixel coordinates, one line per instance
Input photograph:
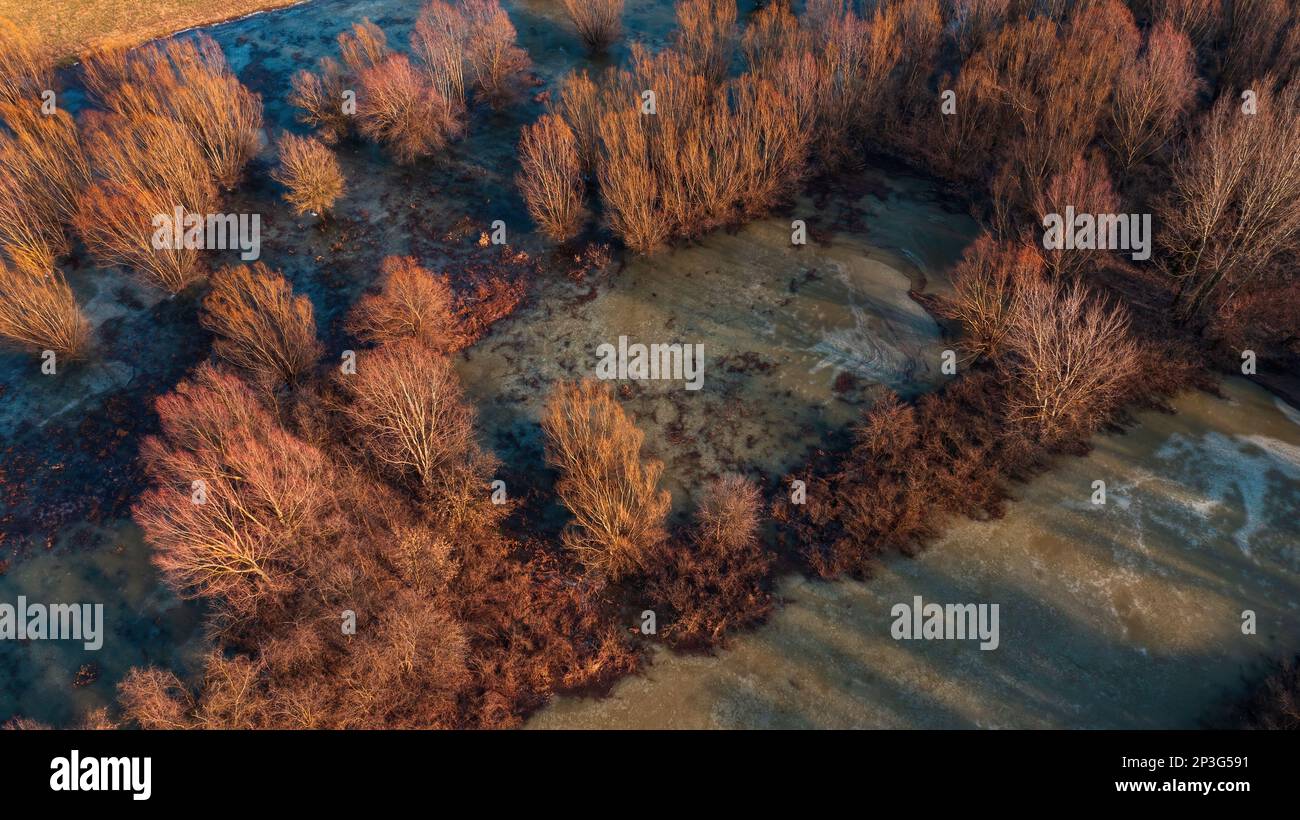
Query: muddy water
(1122, 615)
(143, 625)
(794, 340)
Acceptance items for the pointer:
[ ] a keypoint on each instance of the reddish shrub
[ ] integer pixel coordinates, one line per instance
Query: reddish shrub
(116, 221)
(39, 312)
(438, 40)
(1085, 186)
(706, 36)
(321, 98)
(718, 582)
(984, 292)
(261, 327)
(188, 81)
(413, 303)
(397, 106)
(409, 413)
(494, 60)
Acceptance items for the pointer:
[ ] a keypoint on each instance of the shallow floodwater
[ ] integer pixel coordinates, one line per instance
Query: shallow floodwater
(793, 341)
(1123, 615)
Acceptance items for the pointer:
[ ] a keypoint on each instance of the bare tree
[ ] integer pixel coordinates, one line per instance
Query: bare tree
(1230, 212)
(1152, 93)
(1071, 357)
(613, 494)
(410, 414)
(311, 173)
(551, 177)
(261, 327)
(235, 497)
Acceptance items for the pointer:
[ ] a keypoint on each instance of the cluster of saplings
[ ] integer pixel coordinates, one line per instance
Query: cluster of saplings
(172, 127)
(1028, 105)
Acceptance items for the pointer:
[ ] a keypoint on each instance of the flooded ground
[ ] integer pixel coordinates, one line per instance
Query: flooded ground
(796, 341)
(1127, 615)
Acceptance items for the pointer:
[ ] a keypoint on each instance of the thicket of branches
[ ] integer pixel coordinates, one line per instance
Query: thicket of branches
(414, 107)
(364, 495)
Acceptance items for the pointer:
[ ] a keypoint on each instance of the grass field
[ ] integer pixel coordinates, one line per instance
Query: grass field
(70, 27)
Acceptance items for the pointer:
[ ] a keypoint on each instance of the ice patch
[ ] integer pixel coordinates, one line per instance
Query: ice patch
(1226, 468)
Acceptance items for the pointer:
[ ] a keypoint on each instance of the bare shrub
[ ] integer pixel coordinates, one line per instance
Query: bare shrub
(773, 34)
(551, 177)
(190, 82)
(43, 170)
(1152, 93)
(104, 69)
(438, 40)
(613, 494)
(26, 65)
(716, 583)
(261, 327)
(910, 467)
(29, 235)
(773, 146)
(581, 106)
(399, 107)
(706, 36)
(311, 173)
(1071, 358)
(1257, 31)
(116, 221)
(494, 60)
(410, 414)
(628, 183)
(319, 96)
(599, 22)
(38, 311)
(984, 292)
(1201, 20)
(858, 56)
(413, 303)
(154, 698)
(974, 20)
(262, 493)
(365, 46)
(147, 152)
